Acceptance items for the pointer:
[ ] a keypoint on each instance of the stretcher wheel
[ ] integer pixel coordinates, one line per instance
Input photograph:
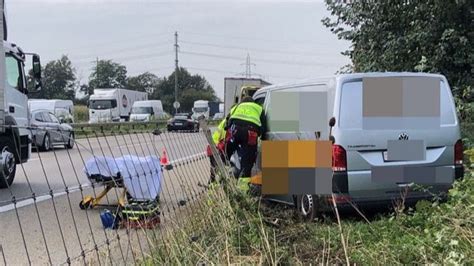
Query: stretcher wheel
(86, 203)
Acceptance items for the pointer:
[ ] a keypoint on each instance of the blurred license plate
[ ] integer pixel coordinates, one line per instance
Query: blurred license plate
(385, 157)
(178, 124)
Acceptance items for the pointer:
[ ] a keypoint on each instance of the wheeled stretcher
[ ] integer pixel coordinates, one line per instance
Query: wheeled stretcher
(139, 178)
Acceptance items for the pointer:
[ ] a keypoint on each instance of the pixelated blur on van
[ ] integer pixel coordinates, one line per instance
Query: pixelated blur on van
(394, 134)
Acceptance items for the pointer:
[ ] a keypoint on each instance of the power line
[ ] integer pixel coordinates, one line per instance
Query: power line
(271, 61)
(243, 38)
(151, 70)
(250, 49)
(131, 48)
(236, 73)
(133, 57)
(110, 43)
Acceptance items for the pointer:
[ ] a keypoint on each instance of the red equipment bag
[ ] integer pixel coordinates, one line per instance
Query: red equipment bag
(252, 138)
(209, 151)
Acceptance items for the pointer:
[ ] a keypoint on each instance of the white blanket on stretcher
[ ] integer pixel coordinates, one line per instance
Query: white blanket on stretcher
(142, 176)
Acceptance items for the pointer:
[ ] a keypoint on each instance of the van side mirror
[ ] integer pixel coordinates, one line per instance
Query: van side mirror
(36, 74)
(332, 121)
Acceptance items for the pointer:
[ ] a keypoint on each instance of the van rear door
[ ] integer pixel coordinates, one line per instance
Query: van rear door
(372, 174)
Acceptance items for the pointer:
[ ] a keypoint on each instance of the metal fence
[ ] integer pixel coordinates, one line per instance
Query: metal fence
(103, 194)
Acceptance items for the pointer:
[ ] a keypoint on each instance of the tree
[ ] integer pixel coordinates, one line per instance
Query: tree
(416, 35)
(190, 89)
(59, 80)
(107, 74)
(146, 82)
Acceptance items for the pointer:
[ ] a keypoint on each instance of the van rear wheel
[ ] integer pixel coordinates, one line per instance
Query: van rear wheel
(307, 207)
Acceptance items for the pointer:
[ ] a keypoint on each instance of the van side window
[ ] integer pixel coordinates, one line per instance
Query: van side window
(13, 72)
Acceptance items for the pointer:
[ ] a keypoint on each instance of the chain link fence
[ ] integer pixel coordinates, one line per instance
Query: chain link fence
(102, 194)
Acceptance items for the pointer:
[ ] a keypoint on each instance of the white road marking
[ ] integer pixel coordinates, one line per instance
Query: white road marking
(27, 202)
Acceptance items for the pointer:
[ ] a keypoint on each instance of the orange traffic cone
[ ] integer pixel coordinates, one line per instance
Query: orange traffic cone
(164, 160)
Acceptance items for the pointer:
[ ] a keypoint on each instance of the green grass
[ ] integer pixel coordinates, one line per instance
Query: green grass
(81, 114)
(108, 129)
(235, 229)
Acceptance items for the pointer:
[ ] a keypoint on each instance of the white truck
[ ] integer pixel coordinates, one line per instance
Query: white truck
(146, 111)
(15, 136)
(200, 108)
(113, 105)
(233, 90)
(63, 109)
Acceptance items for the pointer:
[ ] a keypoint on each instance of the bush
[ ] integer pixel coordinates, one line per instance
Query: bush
(81, 114)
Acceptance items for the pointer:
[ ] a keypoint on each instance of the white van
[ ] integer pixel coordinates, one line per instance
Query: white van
(375, 114)
(62, 109)
(146, 111)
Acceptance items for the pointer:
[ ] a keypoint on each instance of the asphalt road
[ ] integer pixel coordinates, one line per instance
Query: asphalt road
(52, 229)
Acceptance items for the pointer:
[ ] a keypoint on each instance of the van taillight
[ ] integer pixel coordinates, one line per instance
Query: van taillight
(458, 152)
(339, 161)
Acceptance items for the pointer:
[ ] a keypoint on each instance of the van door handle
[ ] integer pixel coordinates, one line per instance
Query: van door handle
(11, 109)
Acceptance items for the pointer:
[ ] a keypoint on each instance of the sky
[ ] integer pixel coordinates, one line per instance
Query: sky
(285, 40)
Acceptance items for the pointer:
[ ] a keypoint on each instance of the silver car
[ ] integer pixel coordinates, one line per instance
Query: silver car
(48, 131)
(363, 173)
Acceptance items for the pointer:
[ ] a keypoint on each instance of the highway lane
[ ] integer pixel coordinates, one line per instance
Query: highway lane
(43, 225)
(61, 168)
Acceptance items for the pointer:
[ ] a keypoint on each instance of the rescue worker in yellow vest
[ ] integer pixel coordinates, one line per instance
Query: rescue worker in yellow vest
(246, 122)
(218, 137)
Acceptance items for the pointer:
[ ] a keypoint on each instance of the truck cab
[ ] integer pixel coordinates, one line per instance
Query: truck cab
(15, 135)
(103, 106)
(200, 109)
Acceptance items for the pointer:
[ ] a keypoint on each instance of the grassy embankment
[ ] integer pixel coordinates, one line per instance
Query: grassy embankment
(232, 228)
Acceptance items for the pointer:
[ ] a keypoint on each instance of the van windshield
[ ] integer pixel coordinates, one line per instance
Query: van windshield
(352, 109)
(102, 104)
(142, 110)
(200, 109)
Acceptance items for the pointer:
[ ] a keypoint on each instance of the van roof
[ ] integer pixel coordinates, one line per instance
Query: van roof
(344, 77)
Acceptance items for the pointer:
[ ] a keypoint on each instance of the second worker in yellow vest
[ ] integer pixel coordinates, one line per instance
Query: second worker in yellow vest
(218, 138)
(246, 122)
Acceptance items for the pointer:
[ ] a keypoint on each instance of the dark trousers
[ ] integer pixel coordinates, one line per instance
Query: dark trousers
(248, 153)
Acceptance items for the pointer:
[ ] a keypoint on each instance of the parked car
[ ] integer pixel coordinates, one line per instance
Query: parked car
(183, 121)
(48, 131)
(362, 139)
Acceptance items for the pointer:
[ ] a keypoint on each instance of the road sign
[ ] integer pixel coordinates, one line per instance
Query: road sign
(176, 105)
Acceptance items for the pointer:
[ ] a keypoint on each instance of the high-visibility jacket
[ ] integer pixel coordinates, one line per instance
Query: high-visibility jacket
(247, 111)
(220, 132)
(243, 184)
